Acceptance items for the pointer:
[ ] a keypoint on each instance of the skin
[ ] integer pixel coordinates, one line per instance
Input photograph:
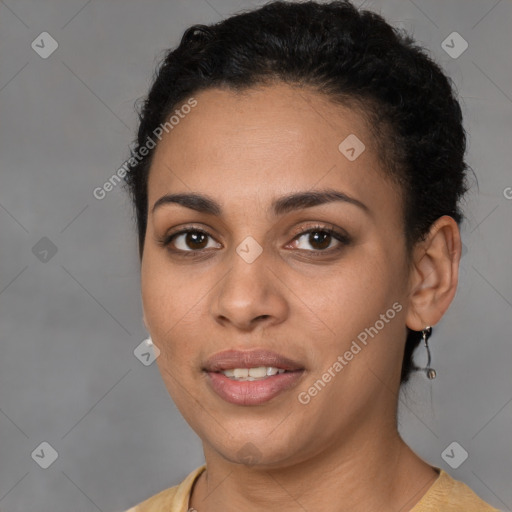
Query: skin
(341, 451)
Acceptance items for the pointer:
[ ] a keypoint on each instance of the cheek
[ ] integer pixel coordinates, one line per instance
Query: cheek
(161, 301)
(361, 303)
(174, 307)
(156, 294)
(358, 288)
(162, 288)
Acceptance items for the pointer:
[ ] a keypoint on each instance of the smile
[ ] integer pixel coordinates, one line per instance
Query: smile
(250, 374)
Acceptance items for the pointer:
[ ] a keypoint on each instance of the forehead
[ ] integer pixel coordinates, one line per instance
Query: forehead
(267, 141)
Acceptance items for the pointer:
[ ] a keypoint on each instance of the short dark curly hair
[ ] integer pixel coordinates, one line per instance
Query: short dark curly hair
(356, 59)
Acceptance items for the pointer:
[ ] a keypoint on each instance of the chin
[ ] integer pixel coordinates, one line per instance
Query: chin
(259, 450)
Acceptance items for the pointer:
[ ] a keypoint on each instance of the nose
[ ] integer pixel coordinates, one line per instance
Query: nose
(250, 295)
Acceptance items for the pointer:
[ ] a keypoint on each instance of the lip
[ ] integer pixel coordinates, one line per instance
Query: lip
(229, 359)
(254, 392)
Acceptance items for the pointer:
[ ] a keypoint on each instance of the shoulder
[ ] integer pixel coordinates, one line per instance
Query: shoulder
(450, 495)
(173, 499)
(158, 502)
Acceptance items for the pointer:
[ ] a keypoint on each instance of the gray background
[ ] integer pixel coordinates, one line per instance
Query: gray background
(69, 325)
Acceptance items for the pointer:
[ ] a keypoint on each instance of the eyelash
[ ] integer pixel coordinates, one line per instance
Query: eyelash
(340, 237)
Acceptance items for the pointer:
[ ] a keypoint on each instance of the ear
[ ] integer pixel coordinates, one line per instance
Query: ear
(144, 320)
(434, 274)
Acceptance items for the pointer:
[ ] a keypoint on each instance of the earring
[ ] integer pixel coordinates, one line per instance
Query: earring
(430, 372)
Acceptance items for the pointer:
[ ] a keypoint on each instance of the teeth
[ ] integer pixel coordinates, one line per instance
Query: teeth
(261, 372)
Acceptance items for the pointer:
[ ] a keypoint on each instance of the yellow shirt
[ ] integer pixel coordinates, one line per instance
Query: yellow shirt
(444, 495)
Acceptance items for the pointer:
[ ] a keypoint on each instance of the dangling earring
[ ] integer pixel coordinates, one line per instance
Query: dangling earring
(430, 372)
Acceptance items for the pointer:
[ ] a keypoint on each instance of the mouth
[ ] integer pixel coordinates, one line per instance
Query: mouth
(251, 377)
(253, 360)
(251, 374)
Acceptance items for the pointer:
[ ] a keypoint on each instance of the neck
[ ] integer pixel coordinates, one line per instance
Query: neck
(371, 472)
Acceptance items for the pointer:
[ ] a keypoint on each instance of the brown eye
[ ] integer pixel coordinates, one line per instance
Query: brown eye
(320, 239)
(192, 240)
(195, 240)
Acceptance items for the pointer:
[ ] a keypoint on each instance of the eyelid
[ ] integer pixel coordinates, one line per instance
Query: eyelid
(331, 228)
(338, 234)
(166, 240)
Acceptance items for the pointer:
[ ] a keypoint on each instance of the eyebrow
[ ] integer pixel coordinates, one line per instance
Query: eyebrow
(285, 204)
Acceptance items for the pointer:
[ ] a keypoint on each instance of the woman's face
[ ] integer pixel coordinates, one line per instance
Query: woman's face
(334, 305)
